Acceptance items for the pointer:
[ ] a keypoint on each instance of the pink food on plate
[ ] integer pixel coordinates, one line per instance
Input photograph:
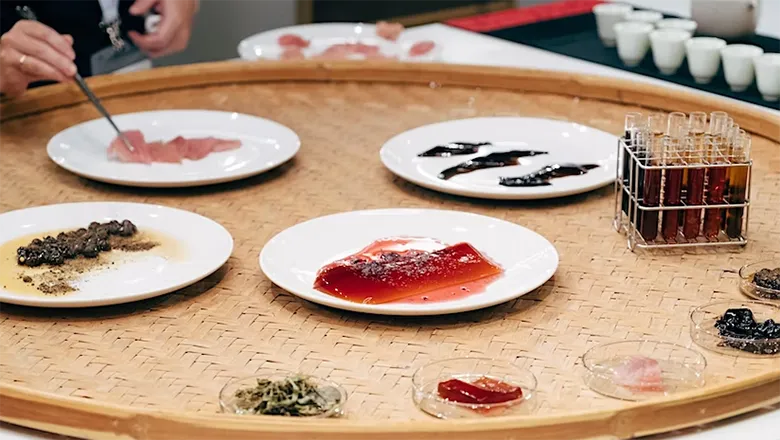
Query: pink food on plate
(173, 151)
(389, 31)
(421, 48)
(639, 373)
(292, 40)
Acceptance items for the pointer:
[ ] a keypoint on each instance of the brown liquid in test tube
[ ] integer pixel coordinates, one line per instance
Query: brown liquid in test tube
(651, 192)
(738, 177)
(673, 156)
(716, 177)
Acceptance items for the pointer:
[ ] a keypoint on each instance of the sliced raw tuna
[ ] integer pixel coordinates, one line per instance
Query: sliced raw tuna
(118, 149)
(173, 151)
(639, 373)
(421, 48)
(389, 31)
(292, 40)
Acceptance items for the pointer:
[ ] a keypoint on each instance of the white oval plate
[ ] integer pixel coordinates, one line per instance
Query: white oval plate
(202, 247)
(265, 45)
(563, 141)
(292, 258)
(82, 149)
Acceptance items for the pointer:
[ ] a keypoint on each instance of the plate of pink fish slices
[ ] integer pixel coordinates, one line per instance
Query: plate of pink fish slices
(174, 148)
(340, 41)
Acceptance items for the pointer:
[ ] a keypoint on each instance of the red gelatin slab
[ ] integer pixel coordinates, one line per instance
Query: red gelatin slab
(390, 270)
(482, 391)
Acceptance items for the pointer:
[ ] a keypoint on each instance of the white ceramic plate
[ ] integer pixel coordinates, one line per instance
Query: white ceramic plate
(193, 248)
(82, 149)
(292, 258)
(565, 142)
(265, 45)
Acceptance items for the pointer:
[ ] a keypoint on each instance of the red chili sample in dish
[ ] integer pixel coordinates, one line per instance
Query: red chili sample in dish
(401, 268)
(173, 151)
(484, 390)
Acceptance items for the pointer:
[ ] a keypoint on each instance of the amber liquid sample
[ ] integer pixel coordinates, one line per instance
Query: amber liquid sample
(738, 177)
(377, 276)
(716, 187)
(695, 196)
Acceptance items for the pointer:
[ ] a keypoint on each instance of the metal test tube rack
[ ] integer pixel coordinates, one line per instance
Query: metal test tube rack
(631, 190)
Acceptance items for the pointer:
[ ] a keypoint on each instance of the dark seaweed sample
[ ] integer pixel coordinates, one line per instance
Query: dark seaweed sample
(768, 278)
(549, 172)
(454, 149)
(743, 332)
(492, 160)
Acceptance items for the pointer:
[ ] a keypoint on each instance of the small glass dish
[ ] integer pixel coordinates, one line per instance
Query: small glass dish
(748, 285)
(333, 394)
(426, 379)
(642, 369)
(705, 334)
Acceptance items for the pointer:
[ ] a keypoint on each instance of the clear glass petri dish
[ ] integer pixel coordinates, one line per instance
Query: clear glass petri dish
(750, 288)
(642, 369)
(705, 334)
(333, 395)
(426, 379)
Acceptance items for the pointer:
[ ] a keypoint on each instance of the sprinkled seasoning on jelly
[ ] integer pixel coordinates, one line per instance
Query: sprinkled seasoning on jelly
(492, 160)
(543, 176)
(407, 269)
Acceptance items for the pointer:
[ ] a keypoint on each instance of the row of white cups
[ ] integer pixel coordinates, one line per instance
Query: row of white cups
(671, 41)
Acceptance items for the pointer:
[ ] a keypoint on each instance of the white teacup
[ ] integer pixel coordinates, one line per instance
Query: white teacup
(677, 23)
(768, 75)
(668, 49)
(703, 55)
(643, 16)
(633, 41)
(607, 16)
(738, 65)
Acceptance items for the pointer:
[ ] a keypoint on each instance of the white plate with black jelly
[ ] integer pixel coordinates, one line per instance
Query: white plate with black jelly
(265, 144)
(293, 258)
(587, 157)
(189, 248)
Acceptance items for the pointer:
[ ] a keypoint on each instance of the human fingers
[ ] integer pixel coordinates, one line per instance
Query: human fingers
(35, 48)
(32, 67)
(13, 83)
(45, 34)
(141, 7)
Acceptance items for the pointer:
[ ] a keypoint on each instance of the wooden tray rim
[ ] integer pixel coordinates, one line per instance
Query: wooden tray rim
(96, 420)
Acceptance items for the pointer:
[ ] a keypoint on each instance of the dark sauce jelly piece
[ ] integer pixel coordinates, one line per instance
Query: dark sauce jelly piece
(542, 177)
(454, 149)
(492, 160)
(484, 390)
(746, 334)
(389, 276)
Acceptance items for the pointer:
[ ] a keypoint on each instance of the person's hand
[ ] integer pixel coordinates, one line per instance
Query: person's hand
(32, 51)
(173, 33)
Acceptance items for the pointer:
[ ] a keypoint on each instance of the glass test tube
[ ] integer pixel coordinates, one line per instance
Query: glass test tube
(716, 183)
(672, 156)
(738, 177)
(695, 145)
(651, 191)
(630, 125)
(697, 128)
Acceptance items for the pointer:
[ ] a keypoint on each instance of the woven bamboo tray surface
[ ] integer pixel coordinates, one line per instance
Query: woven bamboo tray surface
(176, 352)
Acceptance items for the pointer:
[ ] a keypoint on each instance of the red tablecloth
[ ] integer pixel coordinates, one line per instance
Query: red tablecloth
(531, 14)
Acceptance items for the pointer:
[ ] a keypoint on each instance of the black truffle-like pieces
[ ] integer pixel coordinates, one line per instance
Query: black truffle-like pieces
(742, 332)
